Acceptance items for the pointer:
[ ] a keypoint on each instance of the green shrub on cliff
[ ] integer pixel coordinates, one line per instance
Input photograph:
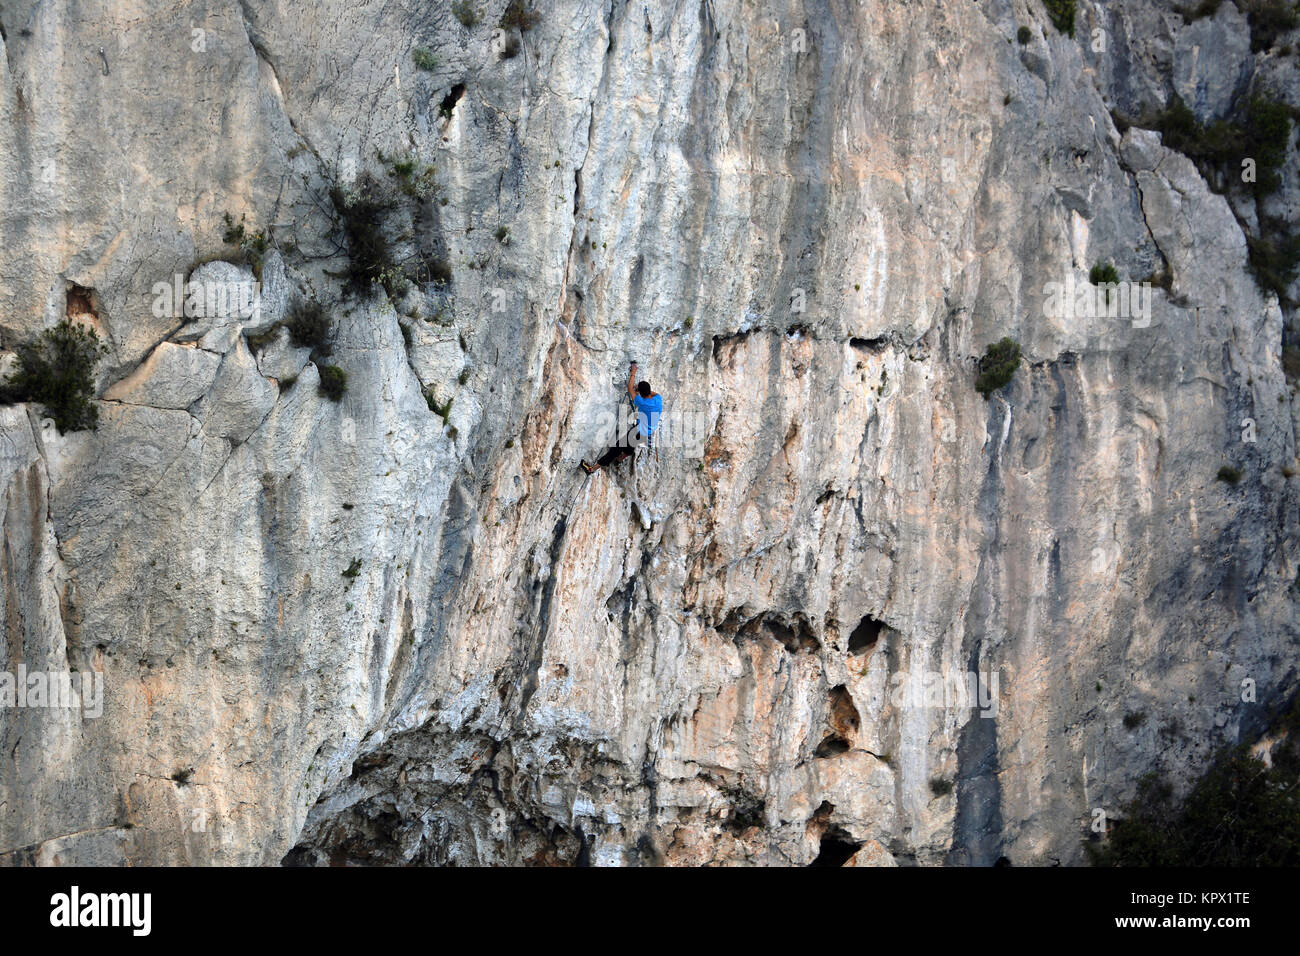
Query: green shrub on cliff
(333, 382)
(999, 363)
(1062, 14)
(1241, 813)
(57, 370)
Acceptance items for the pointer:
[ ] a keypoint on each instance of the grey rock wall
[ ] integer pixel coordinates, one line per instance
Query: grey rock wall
(806, 221)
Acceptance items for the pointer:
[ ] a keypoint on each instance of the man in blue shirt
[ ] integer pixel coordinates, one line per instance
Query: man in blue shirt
(649, 406)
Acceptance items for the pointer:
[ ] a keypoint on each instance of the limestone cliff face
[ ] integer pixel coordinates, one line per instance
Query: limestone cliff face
(806, 220)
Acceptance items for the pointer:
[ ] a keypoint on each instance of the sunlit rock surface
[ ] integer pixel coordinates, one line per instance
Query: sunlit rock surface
(754, 646)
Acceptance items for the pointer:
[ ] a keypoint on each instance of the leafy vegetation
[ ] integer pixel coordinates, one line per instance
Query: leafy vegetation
(252, 245)
(519, 16)
(1275, 258)
(1229, 475)
(309, 327)
(940, 786)
(424, 59)
(1269, 19)
(1206, 8)
(997, 366)
(362, 215)
(57, 371)
(1260, 131)
(466, 13)
(1062, 14)
(1291, 361)
(1024, 35)
(1241, 812)
(1103, 273)
(413, 178)
(333, 382)
(442, 410)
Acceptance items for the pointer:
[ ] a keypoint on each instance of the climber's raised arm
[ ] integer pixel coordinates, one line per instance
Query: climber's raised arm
(631, 380)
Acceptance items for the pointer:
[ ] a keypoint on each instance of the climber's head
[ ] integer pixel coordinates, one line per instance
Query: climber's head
(643, 389)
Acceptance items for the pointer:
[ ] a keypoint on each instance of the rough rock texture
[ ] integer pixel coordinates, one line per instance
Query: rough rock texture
(806, 220)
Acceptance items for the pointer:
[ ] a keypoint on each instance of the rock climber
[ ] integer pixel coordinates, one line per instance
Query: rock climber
(649, 407)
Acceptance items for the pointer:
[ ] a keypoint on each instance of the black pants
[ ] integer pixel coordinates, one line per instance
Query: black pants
(618, 453)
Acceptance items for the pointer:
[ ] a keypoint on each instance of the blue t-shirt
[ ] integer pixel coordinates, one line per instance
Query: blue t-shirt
(648, 411)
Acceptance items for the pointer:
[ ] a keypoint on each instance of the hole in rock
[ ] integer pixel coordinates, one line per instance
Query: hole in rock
(868, 345)
(81, 301)
(724, 346)
(865, 635)
(832, 746)
(844, 718)
(796, 637)
(451, 99)
(836, 848)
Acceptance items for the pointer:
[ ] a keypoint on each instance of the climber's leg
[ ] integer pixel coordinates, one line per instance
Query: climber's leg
(615, 455)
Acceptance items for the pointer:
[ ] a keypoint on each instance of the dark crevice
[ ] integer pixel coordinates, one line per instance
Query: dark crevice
(837, 848)
(726, 343)
(449, 101)
(865, 635)
(795, 634)
(844, 719)
(832, 746)
(869, 345)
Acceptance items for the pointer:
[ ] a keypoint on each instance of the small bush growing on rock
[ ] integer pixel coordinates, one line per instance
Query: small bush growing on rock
(1134, 719)
(57, 371)
(1269, 19)
(1024, 35)
(1241, 812)
(1062, 14)
(466, 13)
(1275, 260)
(362, 215)
(1259, 131)
(519, 16)
(333, 382)
(252, 245)
(415, 179)
(997, 366)
(1103, 273)
(352, 570)
(424, 59)
(1291, 361)
(1206, 8)
(1229, 475)
(261, 340)
(309, 326)
(940, 786)
(442, 410)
